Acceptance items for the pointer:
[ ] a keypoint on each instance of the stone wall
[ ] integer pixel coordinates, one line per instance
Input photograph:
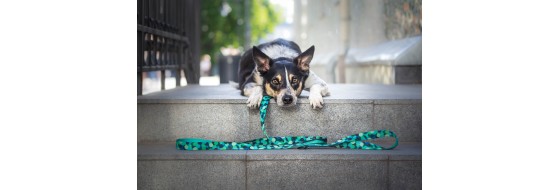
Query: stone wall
(337, 26)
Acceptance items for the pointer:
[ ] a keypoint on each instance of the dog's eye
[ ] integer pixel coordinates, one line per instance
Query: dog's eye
(294, 80)
(275, 82)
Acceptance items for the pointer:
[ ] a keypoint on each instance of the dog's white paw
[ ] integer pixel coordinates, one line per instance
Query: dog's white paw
(254, 101)
(316, 100)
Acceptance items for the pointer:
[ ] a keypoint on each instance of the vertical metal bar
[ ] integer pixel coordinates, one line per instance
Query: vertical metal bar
(177, 77)
(167, 28)
(139, 50)
(144, 35)
(178, 44)
(156, 41)
(151, 10)
(174, 7)
(178, 66)
(139, 61)
(165, 16)
(173, 45)
(153, 37)
(148, 36)
(180, 54)
(195, 40)
(187, 63)
(162, 79)
(165, 54)
(156, 15)
(168, 21)
(139, 83)
(138, 11)
(144, 12)
(180, 31)
(190, 22)
(156, 38)
(188, 67)
(162, 39)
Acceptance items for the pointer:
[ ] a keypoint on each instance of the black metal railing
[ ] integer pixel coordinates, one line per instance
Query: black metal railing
(168, 39)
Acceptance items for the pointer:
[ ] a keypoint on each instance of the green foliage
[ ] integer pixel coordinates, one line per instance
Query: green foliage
(227, 31)
(263, 19)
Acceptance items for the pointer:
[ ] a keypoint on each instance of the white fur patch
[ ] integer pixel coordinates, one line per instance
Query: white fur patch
(317, 89)
(255, 99)
(315, 97)
(314, 80)
(277, 51)
(288, 81)
(257, 77)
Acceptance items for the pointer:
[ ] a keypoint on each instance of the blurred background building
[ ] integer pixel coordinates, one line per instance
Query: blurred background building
(356, 41)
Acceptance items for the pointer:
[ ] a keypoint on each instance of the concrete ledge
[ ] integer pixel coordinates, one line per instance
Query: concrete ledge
(405, 120)
(406, 151)
(167, 151)
(220, 113)
(191, 174)
(340, 93)
(304, 174)
(235, 122)
(161, 166)
(405, 175)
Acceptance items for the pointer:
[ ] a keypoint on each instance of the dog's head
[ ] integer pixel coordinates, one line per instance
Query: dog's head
(283, 78)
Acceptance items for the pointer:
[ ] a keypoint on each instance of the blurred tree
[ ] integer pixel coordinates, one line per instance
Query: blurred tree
(403, 18)
(222, 23)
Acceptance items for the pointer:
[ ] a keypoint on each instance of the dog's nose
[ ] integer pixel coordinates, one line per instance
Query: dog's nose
(287, 99)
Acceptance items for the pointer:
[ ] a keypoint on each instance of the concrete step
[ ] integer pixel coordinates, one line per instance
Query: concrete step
(220, 113)
(161, 166)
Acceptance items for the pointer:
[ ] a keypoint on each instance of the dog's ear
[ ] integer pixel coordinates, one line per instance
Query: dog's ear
(302, 61)
(262, 60)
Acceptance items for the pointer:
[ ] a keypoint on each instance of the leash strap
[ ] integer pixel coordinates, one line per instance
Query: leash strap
(356, 141)
(263, 108)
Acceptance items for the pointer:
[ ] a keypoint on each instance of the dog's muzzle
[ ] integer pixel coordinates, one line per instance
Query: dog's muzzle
(287, 99)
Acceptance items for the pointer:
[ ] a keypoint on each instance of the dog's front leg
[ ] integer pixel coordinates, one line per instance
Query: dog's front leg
(316, 93)
(318, 89)
(255, 93)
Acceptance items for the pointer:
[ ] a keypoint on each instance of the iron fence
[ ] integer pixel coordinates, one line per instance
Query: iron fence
(168, 39)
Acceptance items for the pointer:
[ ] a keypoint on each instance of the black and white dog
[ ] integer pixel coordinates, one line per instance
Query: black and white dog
(279, 69)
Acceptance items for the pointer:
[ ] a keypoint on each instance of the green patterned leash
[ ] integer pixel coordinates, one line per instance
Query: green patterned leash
(356, 141)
